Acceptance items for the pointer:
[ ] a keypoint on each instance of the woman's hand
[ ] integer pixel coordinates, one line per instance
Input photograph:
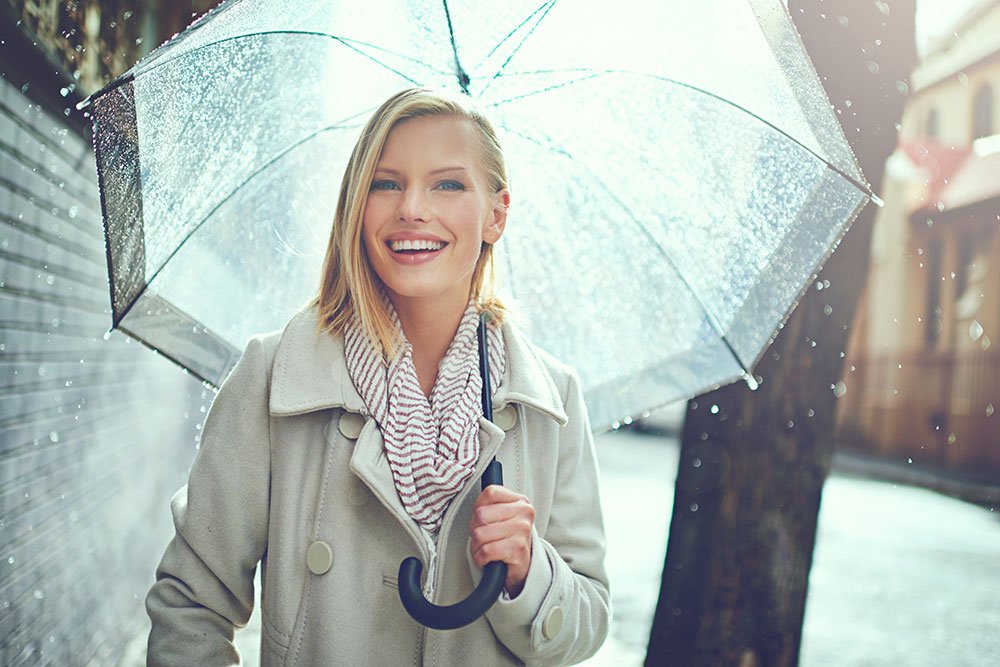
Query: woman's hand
(500, 530)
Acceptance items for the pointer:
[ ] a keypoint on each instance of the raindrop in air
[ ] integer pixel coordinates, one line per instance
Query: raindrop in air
(107, 335)
(909, 460)
(714, 409)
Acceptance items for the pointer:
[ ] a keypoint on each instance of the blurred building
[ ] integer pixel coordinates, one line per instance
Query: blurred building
(923, 365)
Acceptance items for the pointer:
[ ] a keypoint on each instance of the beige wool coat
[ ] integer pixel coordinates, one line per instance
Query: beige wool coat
(291, 474)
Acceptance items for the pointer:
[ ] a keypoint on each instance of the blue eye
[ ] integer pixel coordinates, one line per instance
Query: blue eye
(447, 185)
(382, 185)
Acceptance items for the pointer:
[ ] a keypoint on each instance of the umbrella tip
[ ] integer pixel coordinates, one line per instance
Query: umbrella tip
(751, 381)
(877, 200)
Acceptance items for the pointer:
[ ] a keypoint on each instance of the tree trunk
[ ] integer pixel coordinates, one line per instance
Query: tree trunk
(753, 463)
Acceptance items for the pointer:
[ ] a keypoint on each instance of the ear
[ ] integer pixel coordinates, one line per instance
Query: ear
(497, 220)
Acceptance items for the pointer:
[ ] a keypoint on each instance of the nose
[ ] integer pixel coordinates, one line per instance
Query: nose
(413, 206)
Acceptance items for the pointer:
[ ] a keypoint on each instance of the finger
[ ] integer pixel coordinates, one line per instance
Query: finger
(494, 493)
(515, 552)
(517, 528)
(497, 512)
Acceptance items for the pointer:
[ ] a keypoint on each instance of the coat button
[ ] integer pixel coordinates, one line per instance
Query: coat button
(319, 557)
(553, 623)
(505, 418)
(351, 424)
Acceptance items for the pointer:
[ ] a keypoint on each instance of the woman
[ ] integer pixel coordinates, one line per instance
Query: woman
(354, 438)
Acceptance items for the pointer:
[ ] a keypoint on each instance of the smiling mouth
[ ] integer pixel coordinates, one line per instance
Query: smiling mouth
(415, 247)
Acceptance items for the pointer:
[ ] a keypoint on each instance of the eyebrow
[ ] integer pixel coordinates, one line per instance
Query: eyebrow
(436, 171)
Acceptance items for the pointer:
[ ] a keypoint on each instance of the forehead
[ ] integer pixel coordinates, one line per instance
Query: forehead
(431, 141)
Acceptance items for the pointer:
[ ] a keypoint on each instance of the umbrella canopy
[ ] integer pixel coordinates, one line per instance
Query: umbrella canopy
(677, 175)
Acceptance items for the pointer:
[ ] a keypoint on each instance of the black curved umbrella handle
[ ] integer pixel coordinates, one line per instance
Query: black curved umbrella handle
(449, 617)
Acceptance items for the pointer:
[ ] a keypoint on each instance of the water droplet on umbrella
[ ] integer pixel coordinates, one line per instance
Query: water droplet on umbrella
(38, 595)
(839, 389)
(827, 310)
(909, 460)
(694, 507)
(989, 410)
(903, 90)
(951, 438)
(107, 335)
(714, 409)
(975, 329)
(696, 463)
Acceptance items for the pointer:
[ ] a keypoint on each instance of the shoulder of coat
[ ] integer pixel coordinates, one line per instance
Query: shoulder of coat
(558, 370)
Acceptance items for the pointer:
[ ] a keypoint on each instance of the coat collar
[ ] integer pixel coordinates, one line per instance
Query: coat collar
(310, 373)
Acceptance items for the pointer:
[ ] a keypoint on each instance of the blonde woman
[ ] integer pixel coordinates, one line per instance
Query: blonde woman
(354, 438)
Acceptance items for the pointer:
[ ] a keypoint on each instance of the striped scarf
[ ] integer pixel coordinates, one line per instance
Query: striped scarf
(432, 446)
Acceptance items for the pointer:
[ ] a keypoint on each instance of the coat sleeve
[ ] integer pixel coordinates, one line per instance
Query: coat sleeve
(204, 583)
(563, 613)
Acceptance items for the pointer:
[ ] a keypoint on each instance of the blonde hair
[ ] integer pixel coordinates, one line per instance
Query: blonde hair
(348, 282)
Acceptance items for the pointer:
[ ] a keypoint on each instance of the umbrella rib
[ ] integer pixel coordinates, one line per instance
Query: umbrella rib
(543, 90)
(129, 77)
(547, 6)
(715, 324)
(277, 156)
(463, 77)
(847, 177)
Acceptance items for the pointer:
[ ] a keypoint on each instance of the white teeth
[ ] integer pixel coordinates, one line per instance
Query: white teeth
(416, 245)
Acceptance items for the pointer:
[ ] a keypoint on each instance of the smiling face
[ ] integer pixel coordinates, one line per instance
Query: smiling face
(428, 211)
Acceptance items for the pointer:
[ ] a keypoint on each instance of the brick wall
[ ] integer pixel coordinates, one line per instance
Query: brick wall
(96, 431)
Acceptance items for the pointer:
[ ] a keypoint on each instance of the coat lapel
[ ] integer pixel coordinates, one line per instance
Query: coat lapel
(310, 373)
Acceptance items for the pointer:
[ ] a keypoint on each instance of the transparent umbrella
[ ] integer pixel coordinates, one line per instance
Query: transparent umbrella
(677, 174)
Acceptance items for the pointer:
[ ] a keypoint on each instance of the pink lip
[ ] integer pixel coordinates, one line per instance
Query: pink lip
(415, 258)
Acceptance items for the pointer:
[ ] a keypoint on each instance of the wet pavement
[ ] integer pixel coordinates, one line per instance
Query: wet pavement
(901, 575)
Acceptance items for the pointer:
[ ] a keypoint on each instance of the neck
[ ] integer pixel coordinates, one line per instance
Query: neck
(429, 325)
